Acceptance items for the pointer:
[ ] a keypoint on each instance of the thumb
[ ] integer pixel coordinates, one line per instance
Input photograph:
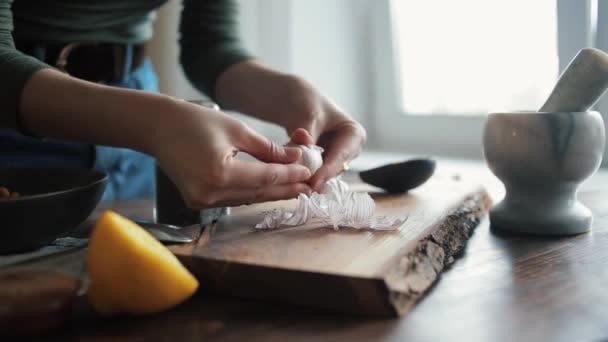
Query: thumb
(301, 137)
(267, 150)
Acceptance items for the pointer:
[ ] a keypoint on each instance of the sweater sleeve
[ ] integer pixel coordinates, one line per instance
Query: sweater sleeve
(15, 69)
(209, 41)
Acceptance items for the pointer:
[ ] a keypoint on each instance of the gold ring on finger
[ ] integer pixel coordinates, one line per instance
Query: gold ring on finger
(345, 166)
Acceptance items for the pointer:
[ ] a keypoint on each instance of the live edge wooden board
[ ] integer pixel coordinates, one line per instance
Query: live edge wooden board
(354, 271)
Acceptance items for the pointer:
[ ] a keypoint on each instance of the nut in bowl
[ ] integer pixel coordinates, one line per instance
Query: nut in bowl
(542, 158)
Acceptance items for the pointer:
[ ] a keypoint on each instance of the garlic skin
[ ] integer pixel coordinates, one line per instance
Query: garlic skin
(336, 207)
(311, 157)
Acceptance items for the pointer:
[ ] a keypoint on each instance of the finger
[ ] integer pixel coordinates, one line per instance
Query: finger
(264, 194)
(247, 174)
(267, 150)
(345, 146)
(301, 137)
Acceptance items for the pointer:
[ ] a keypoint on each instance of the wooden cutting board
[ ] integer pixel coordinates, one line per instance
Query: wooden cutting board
(355, 271)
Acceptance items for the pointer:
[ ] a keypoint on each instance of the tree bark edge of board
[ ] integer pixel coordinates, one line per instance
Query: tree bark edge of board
(414, 273)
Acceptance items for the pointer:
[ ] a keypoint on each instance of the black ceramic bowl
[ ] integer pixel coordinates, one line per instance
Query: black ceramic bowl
(52, 203)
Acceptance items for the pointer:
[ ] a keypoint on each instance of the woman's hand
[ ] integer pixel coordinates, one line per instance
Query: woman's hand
(308, 116)
(322, 123)
(194, 145)
(197, 146)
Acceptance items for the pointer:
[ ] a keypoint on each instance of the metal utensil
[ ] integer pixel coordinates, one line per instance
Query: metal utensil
(168, 235)
(152, 224)
(400, 177)
(164, 232)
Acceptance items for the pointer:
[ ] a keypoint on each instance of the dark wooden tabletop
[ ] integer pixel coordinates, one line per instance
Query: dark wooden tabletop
(504, 288)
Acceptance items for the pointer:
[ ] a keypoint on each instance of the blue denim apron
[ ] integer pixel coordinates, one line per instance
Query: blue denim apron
(131, 174)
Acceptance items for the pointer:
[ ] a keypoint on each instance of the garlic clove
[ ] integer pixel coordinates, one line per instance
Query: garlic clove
(311, 157)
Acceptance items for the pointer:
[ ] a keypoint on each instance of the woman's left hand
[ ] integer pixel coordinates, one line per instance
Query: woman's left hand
(322, 123)
(290, 101)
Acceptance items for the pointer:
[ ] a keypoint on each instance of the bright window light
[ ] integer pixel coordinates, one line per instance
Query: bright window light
(476, 56)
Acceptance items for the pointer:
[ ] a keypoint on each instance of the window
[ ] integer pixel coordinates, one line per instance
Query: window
(441, 65)
(475, 56)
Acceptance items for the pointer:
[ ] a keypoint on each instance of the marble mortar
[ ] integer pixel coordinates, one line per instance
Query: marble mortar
(542, 158)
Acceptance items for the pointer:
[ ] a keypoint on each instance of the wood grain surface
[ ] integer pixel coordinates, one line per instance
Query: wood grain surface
(348, 270)
(503, 288)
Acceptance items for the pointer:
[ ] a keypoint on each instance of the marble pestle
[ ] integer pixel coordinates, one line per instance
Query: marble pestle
(581, 84)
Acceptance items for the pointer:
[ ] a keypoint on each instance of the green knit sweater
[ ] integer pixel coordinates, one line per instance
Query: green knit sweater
(208, 37)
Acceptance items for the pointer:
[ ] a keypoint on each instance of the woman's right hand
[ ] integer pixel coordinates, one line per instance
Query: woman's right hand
(196, 147)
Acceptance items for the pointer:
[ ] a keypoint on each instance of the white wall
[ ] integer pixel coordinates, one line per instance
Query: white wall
(165, 51)
(330, 43)
(326, 41)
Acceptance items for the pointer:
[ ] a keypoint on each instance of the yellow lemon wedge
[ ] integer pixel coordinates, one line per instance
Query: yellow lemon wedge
(131, 272)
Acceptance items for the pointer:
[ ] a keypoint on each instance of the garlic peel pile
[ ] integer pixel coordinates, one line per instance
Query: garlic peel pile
(335, 206)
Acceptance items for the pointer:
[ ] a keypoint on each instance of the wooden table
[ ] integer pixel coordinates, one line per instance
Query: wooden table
(504, 288)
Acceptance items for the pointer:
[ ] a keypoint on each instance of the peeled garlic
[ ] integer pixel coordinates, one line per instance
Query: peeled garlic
(311, 157)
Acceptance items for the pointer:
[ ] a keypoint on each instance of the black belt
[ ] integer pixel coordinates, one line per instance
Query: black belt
(95, 62)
